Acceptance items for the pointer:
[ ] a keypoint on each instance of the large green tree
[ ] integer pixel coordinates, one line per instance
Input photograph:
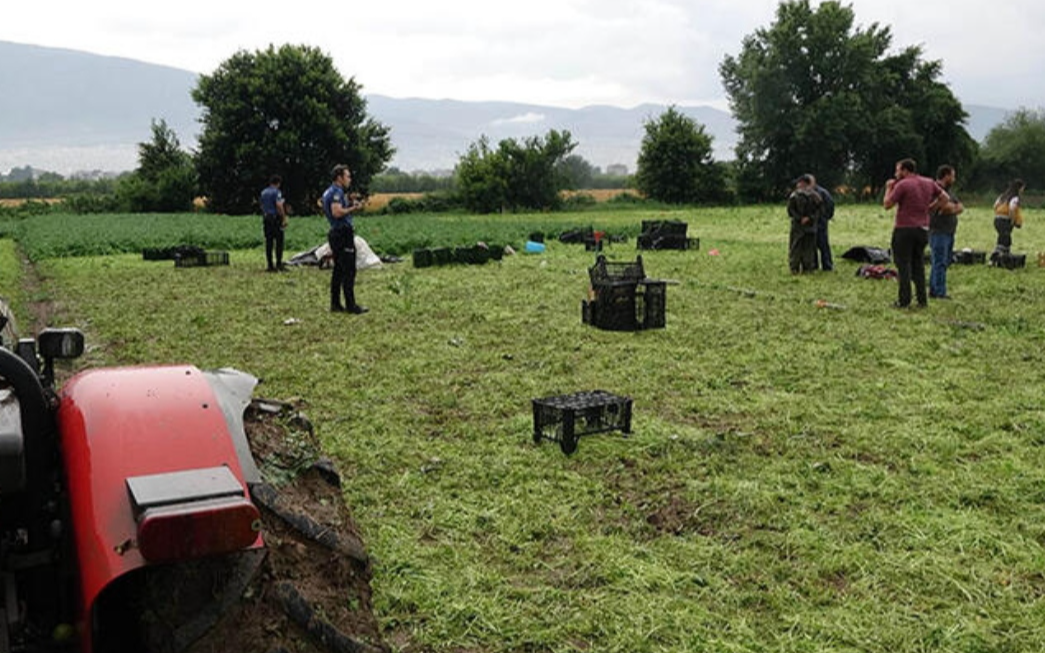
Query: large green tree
(165, 181)
(1014, 149)
(285, 111)
(814, 93)
(525, 174)
(676, 164)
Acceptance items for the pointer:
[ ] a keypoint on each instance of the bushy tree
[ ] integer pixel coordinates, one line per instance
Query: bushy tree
(1014, 149)
(811, 93)
(676, 163)
(517, 175)
(285, 111)
(395, 180)
(577, 172)
(165, 180)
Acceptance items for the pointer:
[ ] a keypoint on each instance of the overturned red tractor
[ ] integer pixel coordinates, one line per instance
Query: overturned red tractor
(132, 512)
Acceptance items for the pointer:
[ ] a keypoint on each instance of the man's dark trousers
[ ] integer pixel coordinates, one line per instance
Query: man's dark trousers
(343, 247)
(909, 255)
(273, 225)
(823, 246)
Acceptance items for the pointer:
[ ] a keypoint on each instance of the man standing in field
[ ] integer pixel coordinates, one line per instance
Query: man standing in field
(274, 221)
(915, 197)
(342, 238)
(943, 224)
(803, 207)
(823, 244)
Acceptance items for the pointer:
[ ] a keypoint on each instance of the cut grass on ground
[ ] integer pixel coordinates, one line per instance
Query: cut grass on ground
(799, 478)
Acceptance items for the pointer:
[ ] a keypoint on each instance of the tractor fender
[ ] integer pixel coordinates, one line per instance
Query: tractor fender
(117, 424)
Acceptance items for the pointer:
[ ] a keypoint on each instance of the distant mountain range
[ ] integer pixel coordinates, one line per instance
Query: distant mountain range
(68, 111)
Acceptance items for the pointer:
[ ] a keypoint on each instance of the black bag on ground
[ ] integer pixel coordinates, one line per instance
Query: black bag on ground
(864, 254)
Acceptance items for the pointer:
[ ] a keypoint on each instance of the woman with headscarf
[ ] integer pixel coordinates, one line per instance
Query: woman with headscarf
(1007, 216)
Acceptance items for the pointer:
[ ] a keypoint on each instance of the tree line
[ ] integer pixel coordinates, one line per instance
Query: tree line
(811, 92)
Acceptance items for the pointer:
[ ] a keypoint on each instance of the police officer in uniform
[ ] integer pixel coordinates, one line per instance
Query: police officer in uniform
(274, 220)
(338, 208)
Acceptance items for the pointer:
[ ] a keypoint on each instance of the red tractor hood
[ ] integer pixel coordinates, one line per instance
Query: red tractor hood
(126, 423)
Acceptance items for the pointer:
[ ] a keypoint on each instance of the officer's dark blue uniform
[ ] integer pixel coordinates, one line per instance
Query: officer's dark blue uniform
(342, 243)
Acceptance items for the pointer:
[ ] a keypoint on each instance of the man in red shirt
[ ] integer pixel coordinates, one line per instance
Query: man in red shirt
(915, 197)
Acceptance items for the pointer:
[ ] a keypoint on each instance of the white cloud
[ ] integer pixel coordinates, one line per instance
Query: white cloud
(558, 52)
(528, 118)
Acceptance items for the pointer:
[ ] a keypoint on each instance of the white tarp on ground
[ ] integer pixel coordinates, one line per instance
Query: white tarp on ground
(321, 256)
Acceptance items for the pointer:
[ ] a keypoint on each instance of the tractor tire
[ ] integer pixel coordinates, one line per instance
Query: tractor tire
(307, 591)
(313, 591)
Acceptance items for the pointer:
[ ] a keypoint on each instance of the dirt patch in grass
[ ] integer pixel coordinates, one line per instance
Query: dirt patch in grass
(39, 308)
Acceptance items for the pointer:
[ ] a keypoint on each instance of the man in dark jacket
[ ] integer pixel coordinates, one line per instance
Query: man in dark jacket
(803, 207)
(823, 244)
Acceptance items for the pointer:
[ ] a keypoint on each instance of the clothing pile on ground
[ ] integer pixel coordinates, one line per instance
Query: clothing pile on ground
(322, 256)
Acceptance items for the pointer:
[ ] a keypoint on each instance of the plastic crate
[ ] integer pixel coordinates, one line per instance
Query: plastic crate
(969, 257)
(442, 256)
(664, 234)
(617, 307)
(565, 418)
(623, 298)
(423, 258)
(153, 254)
(608, 272)
(206, 259)
(666, 227)
(473, 255)
(1008, 261)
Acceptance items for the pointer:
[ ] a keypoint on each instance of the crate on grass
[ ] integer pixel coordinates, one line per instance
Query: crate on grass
(565, 418)
(622, 298)
(204, 259)
(666, 234)
(423, 258)
(969, 257)
(1008, 260)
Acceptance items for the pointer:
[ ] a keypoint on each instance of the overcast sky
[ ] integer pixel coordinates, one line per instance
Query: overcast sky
(568, 53)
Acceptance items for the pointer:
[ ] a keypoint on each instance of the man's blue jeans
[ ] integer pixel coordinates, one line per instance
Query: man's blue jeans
(942, 248)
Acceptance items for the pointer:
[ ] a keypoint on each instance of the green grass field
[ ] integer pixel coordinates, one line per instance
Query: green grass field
(798, 479)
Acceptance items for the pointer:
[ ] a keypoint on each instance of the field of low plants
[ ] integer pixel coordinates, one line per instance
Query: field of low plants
(809, 469)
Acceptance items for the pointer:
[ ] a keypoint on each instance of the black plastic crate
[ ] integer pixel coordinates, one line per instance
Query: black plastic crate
(665, 227)
(969, 257)
(206, 259)
(154, 254)
(622, 298)
(474, 255)
(442, 256)
(423, 258)
(608, 272)
(664, 234)
(1008, 260)
(617, 307)
(565, 418)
